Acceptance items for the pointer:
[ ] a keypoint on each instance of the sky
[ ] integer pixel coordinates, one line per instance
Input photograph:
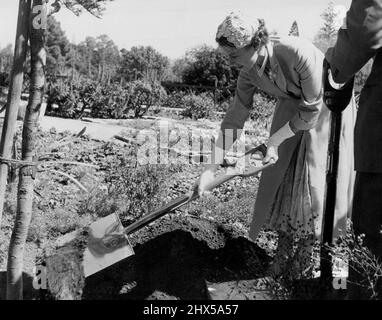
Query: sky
(174, 26)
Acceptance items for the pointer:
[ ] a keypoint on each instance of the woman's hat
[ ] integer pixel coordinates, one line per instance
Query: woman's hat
(238, 29)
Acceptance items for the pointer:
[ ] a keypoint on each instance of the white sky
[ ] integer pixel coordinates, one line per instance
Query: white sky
(173, 26)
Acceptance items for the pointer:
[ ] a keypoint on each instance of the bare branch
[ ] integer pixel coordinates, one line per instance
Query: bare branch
(79, 185)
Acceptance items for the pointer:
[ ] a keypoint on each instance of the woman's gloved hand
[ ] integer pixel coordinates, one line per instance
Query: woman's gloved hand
(272, 155)
(208, 175)
(274, 142)
(205, 179)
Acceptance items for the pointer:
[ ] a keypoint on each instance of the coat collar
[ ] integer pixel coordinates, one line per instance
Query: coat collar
(276, 74)
(260, 69)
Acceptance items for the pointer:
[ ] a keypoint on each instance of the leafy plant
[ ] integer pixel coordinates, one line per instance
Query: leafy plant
(131, 192)
(207, 66)
(367, 267)
(174, 100)
(69, 98)
(141, 62)
(198, 106)
(144, 95)
(74, 99)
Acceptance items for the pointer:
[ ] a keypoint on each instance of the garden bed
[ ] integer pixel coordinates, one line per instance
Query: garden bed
(193, 249)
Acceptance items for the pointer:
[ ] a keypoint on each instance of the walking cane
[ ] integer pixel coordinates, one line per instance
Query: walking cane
(336, 101)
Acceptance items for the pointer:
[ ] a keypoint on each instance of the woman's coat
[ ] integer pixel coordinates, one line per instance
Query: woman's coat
(291, 195)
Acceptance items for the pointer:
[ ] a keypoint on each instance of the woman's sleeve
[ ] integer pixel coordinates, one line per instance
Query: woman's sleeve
(238, 112)
(309, 66)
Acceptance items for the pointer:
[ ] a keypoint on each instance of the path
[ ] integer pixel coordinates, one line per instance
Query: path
(96, 130)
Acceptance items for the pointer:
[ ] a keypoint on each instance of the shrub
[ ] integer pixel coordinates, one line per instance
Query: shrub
(367, 267)
(174, 100)
(131, 192)
(71, 98)
(117, 103)
(108, 102)
(58, 93)
(75, 99)
(198, 106)
(143, 95)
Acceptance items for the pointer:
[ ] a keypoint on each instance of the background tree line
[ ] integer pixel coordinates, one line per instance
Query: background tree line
(100, 59)
(91, 77)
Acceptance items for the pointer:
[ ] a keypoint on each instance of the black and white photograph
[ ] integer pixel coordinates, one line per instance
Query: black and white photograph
(190, 157)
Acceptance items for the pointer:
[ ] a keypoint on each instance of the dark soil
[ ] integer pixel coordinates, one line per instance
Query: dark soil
(179, 258)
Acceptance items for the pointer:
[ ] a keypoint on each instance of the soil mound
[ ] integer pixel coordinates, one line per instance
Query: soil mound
(180, 258)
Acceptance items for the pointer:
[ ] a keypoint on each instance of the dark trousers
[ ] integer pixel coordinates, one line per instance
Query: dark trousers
(367, 219)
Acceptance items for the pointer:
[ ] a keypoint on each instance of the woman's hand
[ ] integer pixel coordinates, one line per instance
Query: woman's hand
(274, 142)
(210, 168)
(272, 155)
(205, 179)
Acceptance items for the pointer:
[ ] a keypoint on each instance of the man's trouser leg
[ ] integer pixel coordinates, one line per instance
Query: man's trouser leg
(367, 219)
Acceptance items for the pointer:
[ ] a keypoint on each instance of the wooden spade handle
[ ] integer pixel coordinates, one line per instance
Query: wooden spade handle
(182, 200)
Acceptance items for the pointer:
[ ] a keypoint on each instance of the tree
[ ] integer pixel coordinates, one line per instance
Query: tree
(35, 27)
(207, 66)
(6, 58)
(178, 68)
(294, 30)
(143, 63)
(94, 7)
(14, 94)
(97, 58)
(327, 35)
(57, 48)
(26, 176)
(61, 55)
(106, 57)
(84, 60)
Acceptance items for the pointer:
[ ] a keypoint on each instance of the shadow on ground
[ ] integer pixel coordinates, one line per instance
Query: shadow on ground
(29, 293)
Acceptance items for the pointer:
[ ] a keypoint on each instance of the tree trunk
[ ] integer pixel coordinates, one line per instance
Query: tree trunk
(89, 67)
(99, 73)
(14, 94)
(102, 73)
(109, 77)
(26, 176)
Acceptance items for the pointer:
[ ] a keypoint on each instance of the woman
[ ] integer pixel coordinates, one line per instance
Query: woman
(291, 193)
